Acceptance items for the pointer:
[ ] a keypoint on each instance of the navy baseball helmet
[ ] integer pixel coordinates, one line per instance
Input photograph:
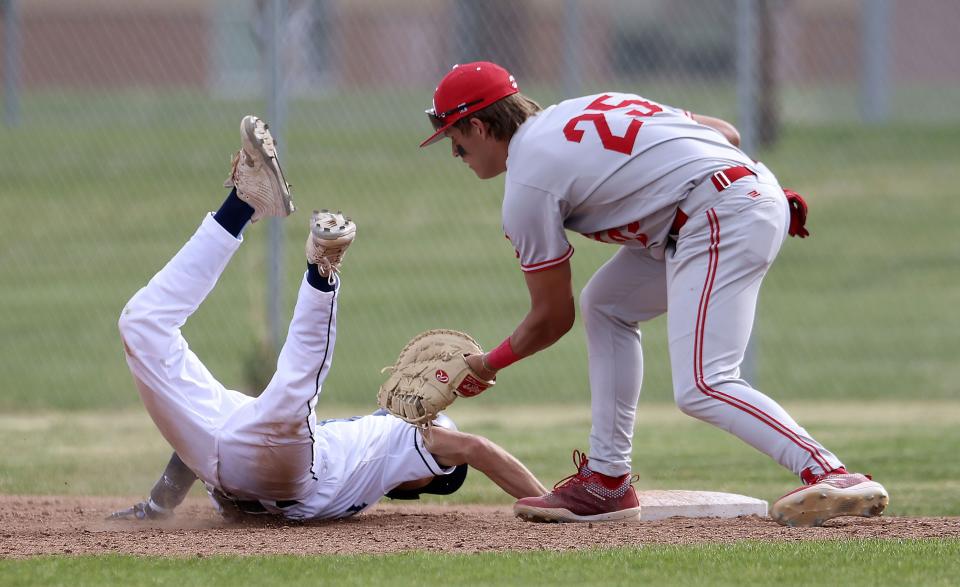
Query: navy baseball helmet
(441, 484)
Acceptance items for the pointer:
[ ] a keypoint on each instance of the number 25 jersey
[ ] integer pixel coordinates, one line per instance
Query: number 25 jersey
(613, 167)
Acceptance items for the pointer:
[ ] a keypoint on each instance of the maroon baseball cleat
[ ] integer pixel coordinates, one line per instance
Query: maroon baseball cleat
(831, 495)
(585, 496)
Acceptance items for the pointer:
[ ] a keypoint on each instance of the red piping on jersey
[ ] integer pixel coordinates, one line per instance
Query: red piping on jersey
(544, 265)
(712, 264)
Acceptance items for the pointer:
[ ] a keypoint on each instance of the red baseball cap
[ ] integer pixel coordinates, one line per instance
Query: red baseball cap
(468, 87)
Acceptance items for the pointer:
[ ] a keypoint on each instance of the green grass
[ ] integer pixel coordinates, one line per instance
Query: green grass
(109, 186)
(908, 446)
(857, 562)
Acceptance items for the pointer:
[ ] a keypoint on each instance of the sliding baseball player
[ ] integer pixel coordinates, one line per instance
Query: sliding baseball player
(271, 454)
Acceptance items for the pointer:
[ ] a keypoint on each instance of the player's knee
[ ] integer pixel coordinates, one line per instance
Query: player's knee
(588, 296)
(133, 318)
(693, 395)
(688, 395)
(139, 330)
(593, 301)
(131, 331)
(600, 302)
(684, 398)
(128, 322)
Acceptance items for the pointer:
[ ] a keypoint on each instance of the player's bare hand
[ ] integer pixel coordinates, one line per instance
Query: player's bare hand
(476, 363)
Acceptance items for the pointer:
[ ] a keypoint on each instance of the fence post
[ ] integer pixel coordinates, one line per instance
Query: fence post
(572, 78)
(748, 79)
(11, 63)
(875, 52)
(276, 114)
(466, 16)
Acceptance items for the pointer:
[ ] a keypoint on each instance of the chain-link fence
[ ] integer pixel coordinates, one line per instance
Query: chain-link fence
(121, 116)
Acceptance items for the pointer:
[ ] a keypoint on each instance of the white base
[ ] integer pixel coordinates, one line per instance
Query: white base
(661, 504)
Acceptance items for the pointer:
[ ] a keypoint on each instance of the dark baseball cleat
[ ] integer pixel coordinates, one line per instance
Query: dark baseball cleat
(585, 496)
(829, 496)
(140, 512)
(255, 172)
(330, 235)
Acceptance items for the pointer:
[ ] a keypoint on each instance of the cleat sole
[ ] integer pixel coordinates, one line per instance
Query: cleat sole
(561, 515)
(866, 500)
(258, 141)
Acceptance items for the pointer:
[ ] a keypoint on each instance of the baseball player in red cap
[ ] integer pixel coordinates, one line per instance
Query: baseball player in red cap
(697, 224)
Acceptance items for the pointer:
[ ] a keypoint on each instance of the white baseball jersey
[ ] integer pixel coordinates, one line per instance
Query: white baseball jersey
(364, 458)
(612, 167)
(617, 168)
(268, 448)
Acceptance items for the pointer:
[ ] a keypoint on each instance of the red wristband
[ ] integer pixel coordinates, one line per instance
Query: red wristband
(502, 356)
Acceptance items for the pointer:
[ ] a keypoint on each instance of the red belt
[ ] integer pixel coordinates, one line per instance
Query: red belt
(721, 180)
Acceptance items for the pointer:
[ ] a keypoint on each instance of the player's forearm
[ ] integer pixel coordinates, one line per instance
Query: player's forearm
(552, 310)
(504, 469)
(552, 314)
(725, 128)
(539, 330)
(534, 334)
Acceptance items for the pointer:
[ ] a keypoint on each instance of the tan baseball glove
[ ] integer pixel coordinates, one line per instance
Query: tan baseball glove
(429, 374)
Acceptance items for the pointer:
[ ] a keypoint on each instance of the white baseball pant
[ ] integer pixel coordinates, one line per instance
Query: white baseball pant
(248, 447)
(708, 284)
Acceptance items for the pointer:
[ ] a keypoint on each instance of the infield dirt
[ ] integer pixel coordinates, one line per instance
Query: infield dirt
(33, 525)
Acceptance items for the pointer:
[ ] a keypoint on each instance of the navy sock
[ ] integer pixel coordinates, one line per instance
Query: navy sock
(318, 281)
(234, 214)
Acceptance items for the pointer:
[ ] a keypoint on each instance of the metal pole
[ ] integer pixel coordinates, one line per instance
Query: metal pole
(466, 25)
(875, 49)
(276, 118)
(572, 78)
(11, 63)
(747, 113)
(747, 74)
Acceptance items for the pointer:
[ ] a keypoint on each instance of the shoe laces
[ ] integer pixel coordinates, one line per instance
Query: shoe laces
(242, 165)
(328, 262)
(231, 181)
(329, 268)
(329, 257)
(583, 471)
(812, 479)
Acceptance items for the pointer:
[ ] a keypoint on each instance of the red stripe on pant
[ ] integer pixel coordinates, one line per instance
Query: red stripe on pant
(699, 333)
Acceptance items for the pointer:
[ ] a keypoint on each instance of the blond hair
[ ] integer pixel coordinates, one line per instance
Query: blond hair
(503, 117)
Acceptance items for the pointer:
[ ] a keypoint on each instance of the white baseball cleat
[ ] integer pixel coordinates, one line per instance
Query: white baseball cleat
(256, 172)
(835, 494)
(330, 235)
